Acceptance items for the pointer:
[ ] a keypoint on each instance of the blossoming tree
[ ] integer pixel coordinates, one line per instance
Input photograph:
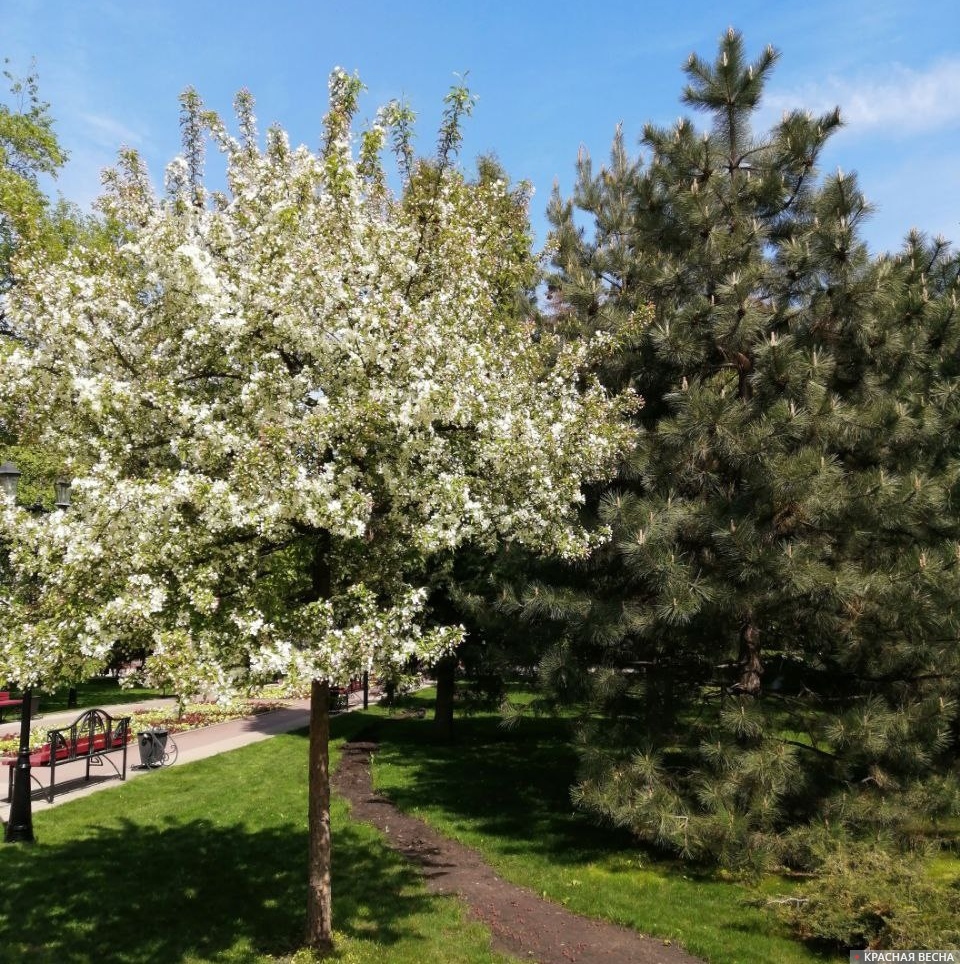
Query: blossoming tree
(272, 399)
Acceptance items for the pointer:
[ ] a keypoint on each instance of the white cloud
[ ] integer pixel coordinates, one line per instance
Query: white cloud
(108, 132)
(901, 100)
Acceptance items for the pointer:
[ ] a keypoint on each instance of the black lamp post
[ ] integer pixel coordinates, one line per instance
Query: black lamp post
(20, 821)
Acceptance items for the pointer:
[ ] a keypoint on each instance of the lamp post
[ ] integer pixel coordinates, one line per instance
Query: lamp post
(20, 821)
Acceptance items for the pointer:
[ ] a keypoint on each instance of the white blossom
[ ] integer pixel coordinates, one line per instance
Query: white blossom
(303, 365)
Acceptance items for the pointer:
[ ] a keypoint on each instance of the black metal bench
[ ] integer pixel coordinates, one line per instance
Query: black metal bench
(92, 737)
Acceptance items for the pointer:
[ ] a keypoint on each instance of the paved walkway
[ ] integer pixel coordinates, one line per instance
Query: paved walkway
(51, 721)
(191, 744)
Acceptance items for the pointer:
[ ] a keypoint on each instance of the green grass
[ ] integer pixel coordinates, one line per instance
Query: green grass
(206, 864)
(98, 691)
(506, 793)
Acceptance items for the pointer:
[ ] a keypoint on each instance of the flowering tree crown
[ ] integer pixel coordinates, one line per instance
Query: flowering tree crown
(273, 397)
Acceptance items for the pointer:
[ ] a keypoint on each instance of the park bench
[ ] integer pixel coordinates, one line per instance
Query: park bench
(6, 702)
(92, 737)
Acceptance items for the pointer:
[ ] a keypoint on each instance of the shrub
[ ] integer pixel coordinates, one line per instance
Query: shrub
(867, 897)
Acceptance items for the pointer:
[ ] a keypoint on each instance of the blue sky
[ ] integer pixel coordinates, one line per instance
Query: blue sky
(550, 76)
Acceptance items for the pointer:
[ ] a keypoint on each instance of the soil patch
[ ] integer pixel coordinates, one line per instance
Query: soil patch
(522, 923)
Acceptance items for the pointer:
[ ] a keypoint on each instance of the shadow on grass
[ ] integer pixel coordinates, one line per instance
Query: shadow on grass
(512, 783)
(507, 790)
(163, 889)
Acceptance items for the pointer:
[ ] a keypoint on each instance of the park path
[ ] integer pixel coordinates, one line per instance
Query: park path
(197, 744)
(522, 924)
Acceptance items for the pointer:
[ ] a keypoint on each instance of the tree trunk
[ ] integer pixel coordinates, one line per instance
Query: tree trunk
(446, 674)
(319, 901)
(751, 666)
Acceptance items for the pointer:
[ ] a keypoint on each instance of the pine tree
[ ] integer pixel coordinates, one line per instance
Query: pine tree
(770, 636)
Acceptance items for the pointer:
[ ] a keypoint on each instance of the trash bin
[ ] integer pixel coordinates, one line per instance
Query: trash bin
(153, 743)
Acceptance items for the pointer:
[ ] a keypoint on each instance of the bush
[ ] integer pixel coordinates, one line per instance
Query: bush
(867, 897)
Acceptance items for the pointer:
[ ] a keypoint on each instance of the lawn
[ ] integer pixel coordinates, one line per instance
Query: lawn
(206, 864)
(97, 691)
(506, 793)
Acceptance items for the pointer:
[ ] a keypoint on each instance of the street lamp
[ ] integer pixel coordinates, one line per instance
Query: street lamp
(61, 497)
(20, 821)
(9, 479)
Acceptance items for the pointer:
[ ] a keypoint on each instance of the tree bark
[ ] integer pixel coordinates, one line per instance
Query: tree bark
(751, 666)
(446, 674)
(319, 893)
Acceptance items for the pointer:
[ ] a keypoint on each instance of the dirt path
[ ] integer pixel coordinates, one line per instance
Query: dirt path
(522, 923)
